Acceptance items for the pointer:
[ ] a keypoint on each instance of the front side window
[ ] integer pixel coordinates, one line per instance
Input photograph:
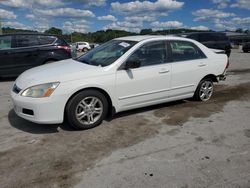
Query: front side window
(184, 50)
(152, 53)
(5, 42)
(107, 53)
(27, 40)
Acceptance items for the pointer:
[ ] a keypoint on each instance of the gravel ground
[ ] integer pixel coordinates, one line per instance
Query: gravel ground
(181, 144)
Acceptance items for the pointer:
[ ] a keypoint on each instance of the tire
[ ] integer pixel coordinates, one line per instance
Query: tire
(204, 90)
(84, 49)
(245, 51)
(87, 109)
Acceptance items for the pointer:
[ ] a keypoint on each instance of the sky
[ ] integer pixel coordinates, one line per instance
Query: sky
(92, 15)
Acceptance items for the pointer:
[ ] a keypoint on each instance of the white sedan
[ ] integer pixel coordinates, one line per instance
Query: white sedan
(122, 74)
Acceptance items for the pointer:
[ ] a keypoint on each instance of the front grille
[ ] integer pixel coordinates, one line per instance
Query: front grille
(16, 89)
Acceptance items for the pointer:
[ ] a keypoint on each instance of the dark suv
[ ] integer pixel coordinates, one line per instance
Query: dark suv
(246, 47)
(19, 52)
(215, 40)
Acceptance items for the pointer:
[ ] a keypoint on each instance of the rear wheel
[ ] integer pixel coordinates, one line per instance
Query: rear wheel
(245, 51)
(204, 90)
(84, 49)
(87, 109)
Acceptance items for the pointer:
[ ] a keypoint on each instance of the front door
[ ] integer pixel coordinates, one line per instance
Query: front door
(148, 84)
(26, 53)
(7, 63)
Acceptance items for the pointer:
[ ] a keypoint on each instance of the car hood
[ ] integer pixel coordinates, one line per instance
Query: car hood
(61, 71)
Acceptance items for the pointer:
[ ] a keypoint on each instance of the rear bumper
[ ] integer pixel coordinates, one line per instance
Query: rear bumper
(222, 76)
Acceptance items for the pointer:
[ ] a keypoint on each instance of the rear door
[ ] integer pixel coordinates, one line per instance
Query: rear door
(26, 53)
(188, 67)
(47, 51)
(7, 63)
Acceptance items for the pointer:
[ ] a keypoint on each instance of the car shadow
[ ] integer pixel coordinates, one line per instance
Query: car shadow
(34, 128)
(146, 109)
(7, 79)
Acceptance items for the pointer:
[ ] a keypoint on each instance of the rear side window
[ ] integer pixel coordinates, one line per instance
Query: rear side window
(184, 50)
(61, 41)
(206, 37)
(26, 40)
(5, 42)
(46, 40)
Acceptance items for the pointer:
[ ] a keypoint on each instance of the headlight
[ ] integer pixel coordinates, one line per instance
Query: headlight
(39, 91)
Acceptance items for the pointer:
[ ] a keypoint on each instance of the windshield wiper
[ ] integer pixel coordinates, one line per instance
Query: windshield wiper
(83, 61)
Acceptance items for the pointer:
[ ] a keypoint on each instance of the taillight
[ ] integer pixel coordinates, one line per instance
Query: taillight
(227, 63)
(66, 48)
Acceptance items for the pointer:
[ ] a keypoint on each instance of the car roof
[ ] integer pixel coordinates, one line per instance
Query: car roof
(203, 33)
(139, 38)
(27, 33)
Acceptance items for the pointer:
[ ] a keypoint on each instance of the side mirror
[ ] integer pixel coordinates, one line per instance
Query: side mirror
(131, 64)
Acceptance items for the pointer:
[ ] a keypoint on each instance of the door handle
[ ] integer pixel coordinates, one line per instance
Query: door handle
(163, 71)
(202, 65)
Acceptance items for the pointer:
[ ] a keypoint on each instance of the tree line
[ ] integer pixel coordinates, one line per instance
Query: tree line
(105, 35)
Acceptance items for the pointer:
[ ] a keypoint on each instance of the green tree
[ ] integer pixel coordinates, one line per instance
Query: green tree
(146, 31)
(54, 31)
(239, 30)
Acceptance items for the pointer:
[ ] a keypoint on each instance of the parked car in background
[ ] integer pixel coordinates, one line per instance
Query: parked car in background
(122, 74)
(214, 40)
(73, 50)
(246, 47)
(19, 52)
(82, 46)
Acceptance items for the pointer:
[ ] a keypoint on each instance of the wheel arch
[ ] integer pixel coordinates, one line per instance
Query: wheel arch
(111, 108)
(196, 96)
(210, 76)
(49, 59)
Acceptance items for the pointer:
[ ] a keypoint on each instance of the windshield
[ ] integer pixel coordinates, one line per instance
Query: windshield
(107, 53)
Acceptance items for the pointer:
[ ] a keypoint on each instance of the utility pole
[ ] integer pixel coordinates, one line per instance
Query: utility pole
(1, 32)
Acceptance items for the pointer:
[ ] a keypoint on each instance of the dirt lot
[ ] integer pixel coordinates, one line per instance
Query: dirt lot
(181, 144)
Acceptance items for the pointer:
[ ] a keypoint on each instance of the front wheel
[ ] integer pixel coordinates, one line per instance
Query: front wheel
(87, 109)
(204, 90)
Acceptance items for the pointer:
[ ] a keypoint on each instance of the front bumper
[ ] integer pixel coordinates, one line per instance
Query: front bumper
(49, 110)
